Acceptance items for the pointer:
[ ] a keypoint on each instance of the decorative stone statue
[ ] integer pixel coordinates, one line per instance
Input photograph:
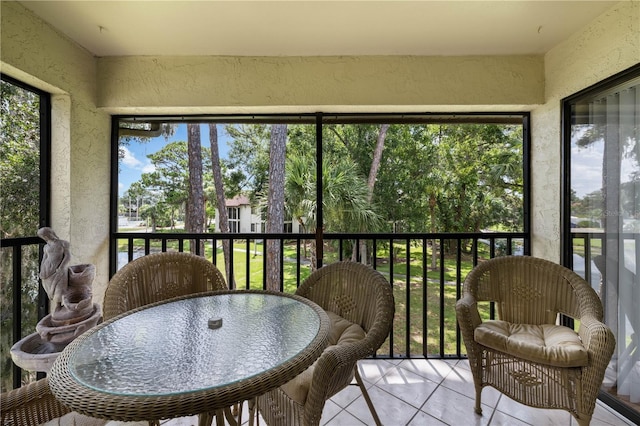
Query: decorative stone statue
(53, 268)
(72, 309)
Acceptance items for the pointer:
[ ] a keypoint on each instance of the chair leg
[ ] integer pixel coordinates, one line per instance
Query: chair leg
(252, 404)
(220, 418)
(366, 397)
(478, 407)
(205, 419)
(583, 420)
(234, 415)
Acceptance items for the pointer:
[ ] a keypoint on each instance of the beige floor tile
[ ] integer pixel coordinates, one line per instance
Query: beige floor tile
(461, 380)
(406, 385)
(391, 410)
(331, 409)
(433, 369)
(444, 393)
(455, 408)
(501, 419)
(347, 395)
(423, 419)
(345, 419)
(534, 416)
(372, 370)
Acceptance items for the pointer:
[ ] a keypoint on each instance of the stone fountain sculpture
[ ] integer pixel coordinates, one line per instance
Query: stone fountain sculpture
(72, 309)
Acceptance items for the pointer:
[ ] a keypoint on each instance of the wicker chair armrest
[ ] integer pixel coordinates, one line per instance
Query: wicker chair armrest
(589, 303)
(332, 373)
(599, 341)
(31, 404)
(593, 332)
(467, 311)
(468, 319)
(597, 338)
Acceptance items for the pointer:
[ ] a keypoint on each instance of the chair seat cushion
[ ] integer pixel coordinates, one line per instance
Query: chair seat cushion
(548, 344)
(342, 332)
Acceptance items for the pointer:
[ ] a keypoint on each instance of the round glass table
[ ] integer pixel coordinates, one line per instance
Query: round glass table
(189, 355)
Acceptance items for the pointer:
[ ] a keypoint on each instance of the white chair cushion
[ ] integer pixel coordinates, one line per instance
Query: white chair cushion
(548, 344)
(342, 332)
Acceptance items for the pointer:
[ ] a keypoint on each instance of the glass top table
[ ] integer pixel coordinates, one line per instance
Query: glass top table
(174, 359)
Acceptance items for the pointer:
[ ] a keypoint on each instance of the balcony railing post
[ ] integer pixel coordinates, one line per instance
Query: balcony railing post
(17, 308)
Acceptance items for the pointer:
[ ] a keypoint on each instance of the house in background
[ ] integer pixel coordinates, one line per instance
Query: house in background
(243, 218)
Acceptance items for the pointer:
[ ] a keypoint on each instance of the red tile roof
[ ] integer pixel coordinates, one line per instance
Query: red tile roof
(238, 200)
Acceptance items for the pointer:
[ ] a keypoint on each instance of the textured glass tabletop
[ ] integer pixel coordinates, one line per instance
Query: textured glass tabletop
(170, 348)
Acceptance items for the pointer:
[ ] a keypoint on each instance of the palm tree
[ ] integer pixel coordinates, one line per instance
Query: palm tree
(344, 196)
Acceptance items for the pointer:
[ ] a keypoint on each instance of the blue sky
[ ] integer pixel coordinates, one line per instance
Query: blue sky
(136, 162)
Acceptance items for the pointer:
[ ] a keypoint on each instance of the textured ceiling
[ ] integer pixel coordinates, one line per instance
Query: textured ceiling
(318, 28)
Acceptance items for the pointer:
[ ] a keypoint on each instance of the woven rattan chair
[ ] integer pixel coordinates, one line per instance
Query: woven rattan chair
(158, 277)
(31, 404)
(356, 297)
(34, 404)
(524, 354)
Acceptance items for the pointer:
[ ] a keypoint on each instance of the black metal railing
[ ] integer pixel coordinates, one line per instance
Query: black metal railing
(19, 263)
(426, 271)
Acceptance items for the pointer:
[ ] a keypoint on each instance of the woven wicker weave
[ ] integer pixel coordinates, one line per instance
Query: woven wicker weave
(359, 294)
(158, 277)
(31, 404)
(529, 290)
(153, 408)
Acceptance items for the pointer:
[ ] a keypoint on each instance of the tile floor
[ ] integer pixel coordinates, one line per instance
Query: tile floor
(433, 392)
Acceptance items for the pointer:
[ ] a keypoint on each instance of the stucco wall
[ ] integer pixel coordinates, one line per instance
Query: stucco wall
(610, 44)
(33, 52)
(310, 84)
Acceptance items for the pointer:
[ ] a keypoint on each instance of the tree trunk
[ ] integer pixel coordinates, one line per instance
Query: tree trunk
(223, 217)
(373, 173)
(304, 242)
(377, 157)
(275, 202)
(195, 201)
(434, 242)
(312, 255)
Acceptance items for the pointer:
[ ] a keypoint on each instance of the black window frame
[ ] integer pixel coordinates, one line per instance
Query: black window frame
(44, 219)
(566, 246)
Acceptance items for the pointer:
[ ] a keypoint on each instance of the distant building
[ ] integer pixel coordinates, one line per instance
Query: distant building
(245, 219)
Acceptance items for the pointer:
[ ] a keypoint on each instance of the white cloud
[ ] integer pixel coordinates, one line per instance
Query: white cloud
(130, 160)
